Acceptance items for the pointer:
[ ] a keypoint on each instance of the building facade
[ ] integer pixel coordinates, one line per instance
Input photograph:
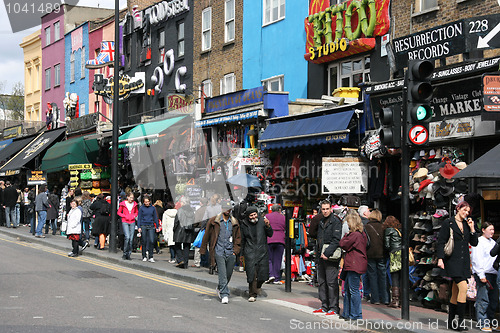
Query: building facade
(32, 48)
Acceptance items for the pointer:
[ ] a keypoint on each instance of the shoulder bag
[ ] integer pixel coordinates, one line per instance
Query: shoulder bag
(337, 254)
(450, 244)
(411, 258)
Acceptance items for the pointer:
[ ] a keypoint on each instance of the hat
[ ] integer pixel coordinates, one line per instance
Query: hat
(446, 189)
(440, 213)
(438, 153)
(422, 172)
(448, 171)
(416, 238)
(427, 276)
(423, 184)
(436, 271)
(436, 223)
(461, 165)
(461, 186)
(250, 210)
(226, 205)
(430, 295)
(433, 167)
(413, 163)
(440, 200)
(416, 156)
(432, 154)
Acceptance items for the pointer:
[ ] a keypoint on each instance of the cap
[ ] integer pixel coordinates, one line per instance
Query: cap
(226, 204)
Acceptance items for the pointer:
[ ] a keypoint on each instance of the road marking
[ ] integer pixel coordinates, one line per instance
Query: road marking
(265, 318)
(99, 296)
(218, 317)
(14, 296)
(177, 316)
(88, 317)
(133, 317)
(207, 299)
(174, 298)
(59, 296)
(37, 317)
(138, 297)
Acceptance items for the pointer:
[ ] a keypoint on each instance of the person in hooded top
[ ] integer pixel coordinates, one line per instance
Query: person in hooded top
(128, 211)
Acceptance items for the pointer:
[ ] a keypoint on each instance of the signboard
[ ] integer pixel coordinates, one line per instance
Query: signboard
(483, 32)
(236, 99)
(457, 99)
(452, 128)
(418, 135)
(12, 132)
(82, 123)
(491, 96)
(79, 167)
(9, 173)
(180, 103)
(344, 176)
(227, 119)
(36, 178)
(194, 193)
(249, 156)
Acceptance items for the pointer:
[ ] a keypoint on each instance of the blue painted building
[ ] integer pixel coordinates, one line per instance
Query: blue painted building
(76, 53)
(274, 46)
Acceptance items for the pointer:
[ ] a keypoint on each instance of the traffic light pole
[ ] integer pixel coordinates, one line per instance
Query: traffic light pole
(405, 211)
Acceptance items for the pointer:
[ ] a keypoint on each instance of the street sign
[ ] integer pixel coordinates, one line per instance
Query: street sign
(483, 32)
(418, 135)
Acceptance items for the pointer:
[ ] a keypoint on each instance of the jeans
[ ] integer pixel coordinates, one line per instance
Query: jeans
(486, 300)
(225, 267)
(148, 236)
(30, 219)
(275, 259)
(377, 276)
(42, 217)
(366, 286)
(53, 226)
(10, 216)
(86, 227)
(352, 298)
(328, 289)
(128, 232)
(18, 214)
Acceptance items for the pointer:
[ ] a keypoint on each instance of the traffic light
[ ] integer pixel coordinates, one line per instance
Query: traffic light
(419, 95)
(390, 120)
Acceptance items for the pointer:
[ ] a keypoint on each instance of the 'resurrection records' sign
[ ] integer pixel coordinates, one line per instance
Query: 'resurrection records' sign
(341, 30)
(344, 176)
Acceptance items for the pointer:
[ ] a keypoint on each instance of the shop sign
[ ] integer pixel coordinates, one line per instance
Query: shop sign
(105, 86)
(9, 173)
(484, 32)
(491, 96)
(180, 103)
(227, 119)
(165, 10)
(458, 99)
(79, 166)
(236, 99)
(86, 122)
(330, 33)
(194, 193)
(465, 69)
(250, 156)
(12, 132)
(292, 203)
(344, 176)
(36, 177)
(452, 128)
(386, 86)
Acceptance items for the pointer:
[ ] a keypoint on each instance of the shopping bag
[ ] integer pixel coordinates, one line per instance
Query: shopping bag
(199, 238)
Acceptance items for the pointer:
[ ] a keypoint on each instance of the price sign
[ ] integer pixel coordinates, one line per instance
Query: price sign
(418, 135)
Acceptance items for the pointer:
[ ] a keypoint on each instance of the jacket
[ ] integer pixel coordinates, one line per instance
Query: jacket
(392, 240)
(147, 216)
(123, 212)
(277, 221)
(375, 231)
(53, 212)
(167, 226)
(329, 232)
(183, 225)
(254, 248)
(41, 202)
(86, 211)
(212, 231)
(10, 196)
(354, 245)
(74, 222)
(102, 221)
(458, 264)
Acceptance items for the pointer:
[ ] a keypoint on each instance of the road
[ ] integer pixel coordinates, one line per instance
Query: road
(43, 290)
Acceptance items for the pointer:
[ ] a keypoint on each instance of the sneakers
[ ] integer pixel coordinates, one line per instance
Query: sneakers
(331, 313)
(252, 299)
(151, 260)
(225, 300)
(144, 259)
(40, 236)
(71, 254)
(271, 279)
(85, 245)
(172, 261)
(277, 282)
(320, 310)
(486, 329)
(218, 292)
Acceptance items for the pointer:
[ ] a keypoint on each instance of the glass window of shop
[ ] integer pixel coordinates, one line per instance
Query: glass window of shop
(348, 73)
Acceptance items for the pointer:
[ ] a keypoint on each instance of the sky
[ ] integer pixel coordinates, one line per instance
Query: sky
(11, 56)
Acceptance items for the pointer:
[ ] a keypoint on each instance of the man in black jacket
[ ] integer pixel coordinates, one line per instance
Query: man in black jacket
(329, 234)
(9, 204)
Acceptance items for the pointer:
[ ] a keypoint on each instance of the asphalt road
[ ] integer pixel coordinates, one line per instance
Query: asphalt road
(43, 290)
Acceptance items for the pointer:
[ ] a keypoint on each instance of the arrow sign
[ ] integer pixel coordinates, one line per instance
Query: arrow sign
(483, 42)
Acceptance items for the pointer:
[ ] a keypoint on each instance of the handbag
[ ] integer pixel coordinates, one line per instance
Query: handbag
(96, 183)
(199, 238)
(350, 201)
(87, 175)
(105, 174)
(86, 184)
(448, 247)
(411, 257)
(105, 183)
(335, 256)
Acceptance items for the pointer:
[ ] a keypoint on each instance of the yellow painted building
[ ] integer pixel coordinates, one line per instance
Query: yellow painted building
(32, 48)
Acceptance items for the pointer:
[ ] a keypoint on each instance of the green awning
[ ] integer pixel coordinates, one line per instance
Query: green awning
(146, 133)
(72, 151)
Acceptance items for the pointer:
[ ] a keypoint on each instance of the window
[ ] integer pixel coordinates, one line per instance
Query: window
(57, 31)
(128, 52)
(427, 4)
(72, 67)
(180, 39)
(161, 44)
(82, 64)
(47, 79)
(229, 26)
(207, 87)
(206, 29)
(37, 87)
(228, 84)
(57, 75)
(335, 2)
(348, 73)
(274, 10)
(81, 109)
(47, 36)
(274, 83)
(28, 80)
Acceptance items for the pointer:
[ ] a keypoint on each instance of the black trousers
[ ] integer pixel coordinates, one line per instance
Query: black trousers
(182, 253)
(328, 289)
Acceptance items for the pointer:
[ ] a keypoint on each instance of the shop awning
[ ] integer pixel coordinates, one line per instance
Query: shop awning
(31, 150)
(148, 131)
(72, 151)
(309, 131)
(484, 167)
(227, 119)
(5, 143)
(14, 148)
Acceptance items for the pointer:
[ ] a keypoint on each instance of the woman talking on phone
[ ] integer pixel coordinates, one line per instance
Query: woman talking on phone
(485, 276)
(457, 265)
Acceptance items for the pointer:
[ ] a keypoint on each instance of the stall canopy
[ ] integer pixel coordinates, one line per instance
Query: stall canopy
(14, 148)
(309, 131)
(5, 143)
(146, 133)
(72, 151)
(484, 167)
(31, 150)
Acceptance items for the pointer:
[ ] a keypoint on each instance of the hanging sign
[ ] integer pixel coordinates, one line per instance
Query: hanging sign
(344, 176)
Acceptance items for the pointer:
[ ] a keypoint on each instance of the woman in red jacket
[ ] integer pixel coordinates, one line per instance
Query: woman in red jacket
(128, 211)
(355, 263)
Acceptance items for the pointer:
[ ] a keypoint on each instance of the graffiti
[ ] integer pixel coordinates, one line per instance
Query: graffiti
(157, 78)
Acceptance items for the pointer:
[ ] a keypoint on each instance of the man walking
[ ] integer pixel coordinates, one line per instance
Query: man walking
(223, 235)
(41, 206)
(329, 234)
(254, 233)
(9, 204)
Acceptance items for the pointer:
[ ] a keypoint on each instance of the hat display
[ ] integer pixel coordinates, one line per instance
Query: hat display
(438, 153)
(427, 276)
(440, 200)
(422, 172)
(433, 167)
(448, 171)
(436, 223)
(416, 156)
(461, 165)
(446, 189)
(461, 186)
(423, 184)
(432, 154)
(436, 271)
(413, 163)
(440, 213)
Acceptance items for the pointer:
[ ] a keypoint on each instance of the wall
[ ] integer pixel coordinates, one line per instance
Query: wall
(275, 49)
(32, 48)
(95, 39)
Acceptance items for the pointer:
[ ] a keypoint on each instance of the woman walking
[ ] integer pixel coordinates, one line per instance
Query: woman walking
(146, 224)
(100, 227)
(392, 244)
(355, 264)
(128, 211)
(74, 229)
(168, 229)
(52, 212)
(159, 212)
(457, 265)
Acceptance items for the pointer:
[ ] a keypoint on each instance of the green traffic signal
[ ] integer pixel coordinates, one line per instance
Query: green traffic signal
(421, 113)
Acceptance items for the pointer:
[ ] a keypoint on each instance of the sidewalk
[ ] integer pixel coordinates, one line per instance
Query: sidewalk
(302, 298)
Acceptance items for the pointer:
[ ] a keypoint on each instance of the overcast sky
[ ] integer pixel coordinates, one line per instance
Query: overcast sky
(11, 56)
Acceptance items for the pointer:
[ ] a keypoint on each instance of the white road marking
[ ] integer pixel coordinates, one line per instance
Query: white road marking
(177, 316)
(133, 317)
(174, 298)
(218, 317)
(207, 299)
(59, 296)
(299, 307)
(88, 317)
(14, 296)
(37, 317)
(265, 318)
(99, 296)
(138, 297)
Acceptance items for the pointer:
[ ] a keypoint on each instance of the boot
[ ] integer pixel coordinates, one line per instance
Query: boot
(452, 311)
(461, 314)
(395, 297)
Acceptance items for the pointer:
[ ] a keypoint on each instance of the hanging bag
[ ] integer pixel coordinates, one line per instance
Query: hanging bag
(337, 254)
(411, 258)
(199, 239)
(450, 244)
